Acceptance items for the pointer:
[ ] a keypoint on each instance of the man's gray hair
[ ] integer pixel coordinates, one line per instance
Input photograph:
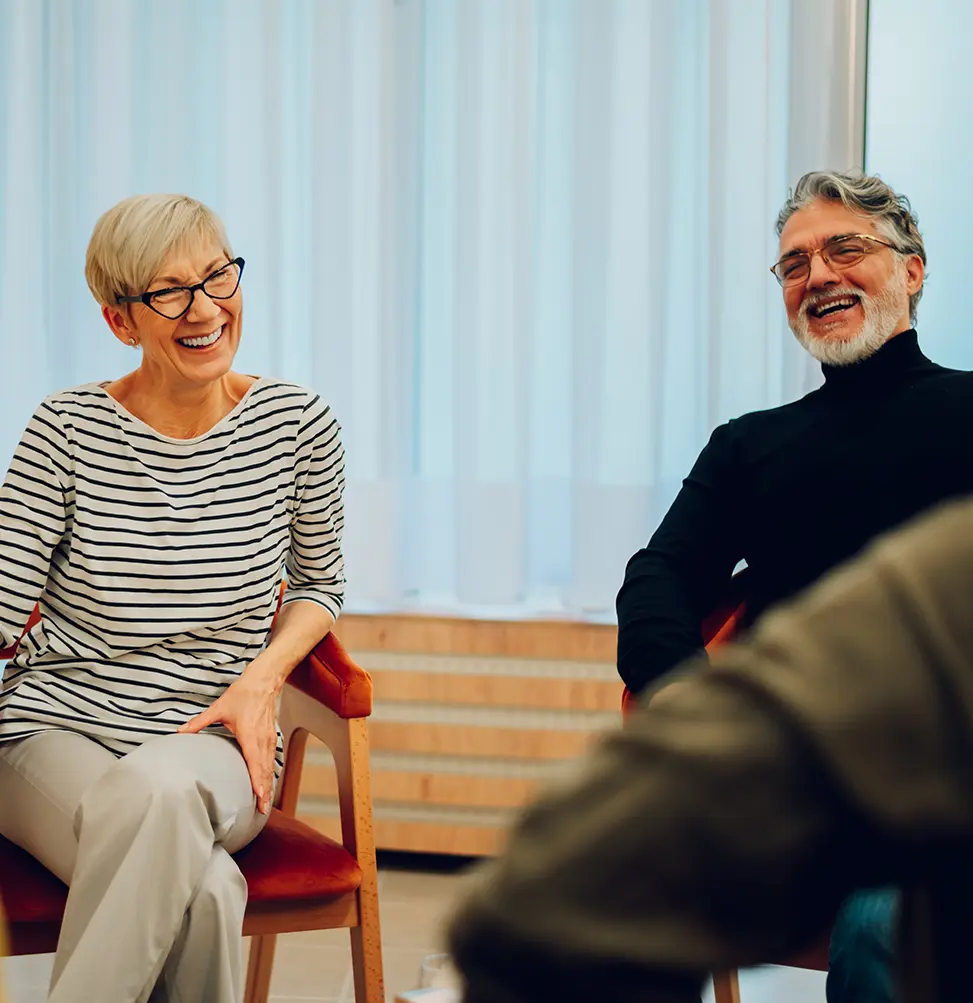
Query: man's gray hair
(867, 195)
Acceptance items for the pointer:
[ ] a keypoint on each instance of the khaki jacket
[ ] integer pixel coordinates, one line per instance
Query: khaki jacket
(720, 828)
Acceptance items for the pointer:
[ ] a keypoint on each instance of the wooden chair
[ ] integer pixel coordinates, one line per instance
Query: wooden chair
(719, 628)
(297, 878)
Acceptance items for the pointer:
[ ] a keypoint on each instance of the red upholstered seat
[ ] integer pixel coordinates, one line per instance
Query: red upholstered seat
(30, 893)
(288, 862)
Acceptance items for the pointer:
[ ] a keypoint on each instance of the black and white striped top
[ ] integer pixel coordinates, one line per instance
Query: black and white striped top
(157, 561)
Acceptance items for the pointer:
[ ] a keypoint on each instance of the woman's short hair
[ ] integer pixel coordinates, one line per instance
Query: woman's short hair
(131, 241)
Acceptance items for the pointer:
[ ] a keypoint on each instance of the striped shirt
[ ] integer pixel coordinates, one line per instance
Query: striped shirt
(157, 561)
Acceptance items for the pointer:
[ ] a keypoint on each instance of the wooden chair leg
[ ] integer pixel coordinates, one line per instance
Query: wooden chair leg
(366, 963)
(726, 987)
(259, 968)
(366, 938)
(355, 799)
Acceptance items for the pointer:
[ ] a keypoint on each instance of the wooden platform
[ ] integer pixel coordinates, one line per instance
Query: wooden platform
(471, 718)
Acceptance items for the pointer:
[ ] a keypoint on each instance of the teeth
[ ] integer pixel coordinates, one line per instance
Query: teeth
(831, 304)
(206, 339)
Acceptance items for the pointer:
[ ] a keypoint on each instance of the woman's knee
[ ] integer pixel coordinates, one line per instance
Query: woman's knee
(135, 787)
(208, 792)
(222, 882)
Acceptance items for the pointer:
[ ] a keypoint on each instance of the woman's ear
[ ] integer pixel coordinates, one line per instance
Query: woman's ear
(121, 325)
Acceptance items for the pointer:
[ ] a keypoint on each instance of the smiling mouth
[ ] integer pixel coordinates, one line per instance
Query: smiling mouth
(833, 308)
(203, 341)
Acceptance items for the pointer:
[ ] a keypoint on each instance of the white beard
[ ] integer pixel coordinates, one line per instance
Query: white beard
(882, 313)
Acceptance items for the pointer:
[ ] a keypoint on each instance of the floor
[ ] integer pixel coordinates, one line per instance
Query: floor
(415, 896)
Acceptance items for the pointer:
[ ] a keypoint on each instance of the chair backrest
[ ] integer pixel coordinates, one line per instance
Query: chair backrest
(724, 622)
(34, 617)
(720, 626)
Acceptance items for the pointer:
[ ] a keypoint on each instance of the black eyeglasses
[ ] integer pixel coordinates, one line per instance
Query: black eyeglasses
(172, 303)
(838, 253)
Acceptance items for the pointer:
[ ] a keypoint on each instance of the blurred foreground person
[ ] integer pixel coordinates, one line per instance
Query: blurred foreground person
(731, 817)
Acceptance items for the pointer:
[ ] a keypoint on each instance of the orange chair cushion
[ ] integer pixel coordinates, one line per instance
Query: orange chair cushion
(31, 894)
(289, 861)
(329, 676)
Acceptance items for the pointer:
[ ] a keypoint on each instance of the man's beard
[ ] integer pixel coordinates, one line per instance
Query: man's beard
(882, 313)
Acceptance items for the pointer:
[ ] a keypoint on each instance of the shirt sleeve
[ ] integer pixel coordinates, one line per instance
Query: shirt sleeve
(314, 563)
(723, 826)
(34, 503)
(674, 582)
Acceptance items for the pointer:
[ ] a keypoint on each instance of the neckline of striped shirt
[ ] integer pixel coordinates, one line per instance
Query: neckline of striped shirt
(100, 390)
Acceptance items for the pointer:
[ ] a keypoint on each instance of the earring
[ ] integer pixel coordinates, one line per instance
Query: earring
(133, 342)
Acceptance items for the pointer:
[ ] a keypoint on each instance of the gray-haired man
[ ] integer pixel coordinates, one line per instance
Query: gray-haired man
(797, 489)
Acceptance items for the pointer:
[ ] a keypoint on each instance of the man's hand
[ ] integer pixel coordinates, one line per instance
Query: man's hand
(248, 707)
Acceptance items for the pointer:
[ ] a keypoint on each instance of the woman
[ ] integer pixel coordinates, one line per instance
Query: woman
(151, 517)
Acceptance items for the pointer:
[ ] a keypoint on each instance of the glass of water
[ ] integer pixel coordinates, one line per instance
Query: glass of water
(437, 972)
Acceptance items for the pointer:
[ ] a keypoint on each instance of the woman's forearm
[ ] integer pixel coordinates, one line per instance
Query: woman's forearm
(300, 626)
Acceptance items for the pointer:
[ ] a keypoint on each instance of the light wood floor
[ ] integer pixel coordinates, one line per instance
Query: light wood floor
(314, 968)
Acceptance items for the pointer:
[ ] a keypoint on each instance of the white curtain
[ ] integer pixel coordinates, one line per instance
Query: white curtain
(521, 245)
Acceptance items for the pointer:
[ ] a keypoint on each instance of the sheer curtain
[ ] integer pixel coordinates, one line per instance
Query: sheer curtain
(520, 245)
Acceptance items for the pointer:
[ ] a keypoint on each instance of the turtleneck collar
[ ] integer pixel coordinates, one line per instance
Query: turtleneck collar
(898, 358)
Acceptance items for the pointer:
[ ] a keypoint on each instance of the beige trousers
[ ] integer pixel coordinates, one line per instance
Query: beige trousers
(155, 904)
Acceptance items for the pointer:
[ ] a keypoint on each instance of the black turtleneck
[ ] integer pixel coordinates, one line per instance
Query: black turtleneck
(794, 491)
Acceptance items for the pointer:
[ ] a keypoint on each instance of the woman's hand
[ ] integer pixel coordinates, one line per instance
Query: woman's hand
(248, 707)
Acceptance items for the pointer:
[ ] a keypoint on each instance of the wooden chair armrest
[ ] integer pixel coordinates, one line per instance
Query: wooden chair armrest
(329, 697)
(329, 676)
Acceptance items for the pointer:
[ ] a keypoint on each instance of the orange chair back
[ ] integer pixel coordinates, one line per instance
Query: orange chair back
(720, 627)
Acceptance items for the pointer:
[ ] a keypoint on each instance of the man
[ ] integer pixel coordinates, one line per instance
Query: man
(797, 489)
(831, 751)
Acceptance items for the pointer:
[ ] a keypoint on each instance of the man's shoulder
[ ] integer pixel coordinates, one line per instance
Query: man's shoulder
(949, 388)
(945, 372)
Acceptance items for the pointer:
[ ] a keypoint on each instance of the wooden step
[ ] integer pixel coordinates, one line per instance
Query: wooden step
(471, 720)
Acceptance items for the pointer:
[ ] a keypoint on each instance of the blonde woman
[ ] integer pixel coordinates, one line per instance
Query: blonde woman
(151, 517)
